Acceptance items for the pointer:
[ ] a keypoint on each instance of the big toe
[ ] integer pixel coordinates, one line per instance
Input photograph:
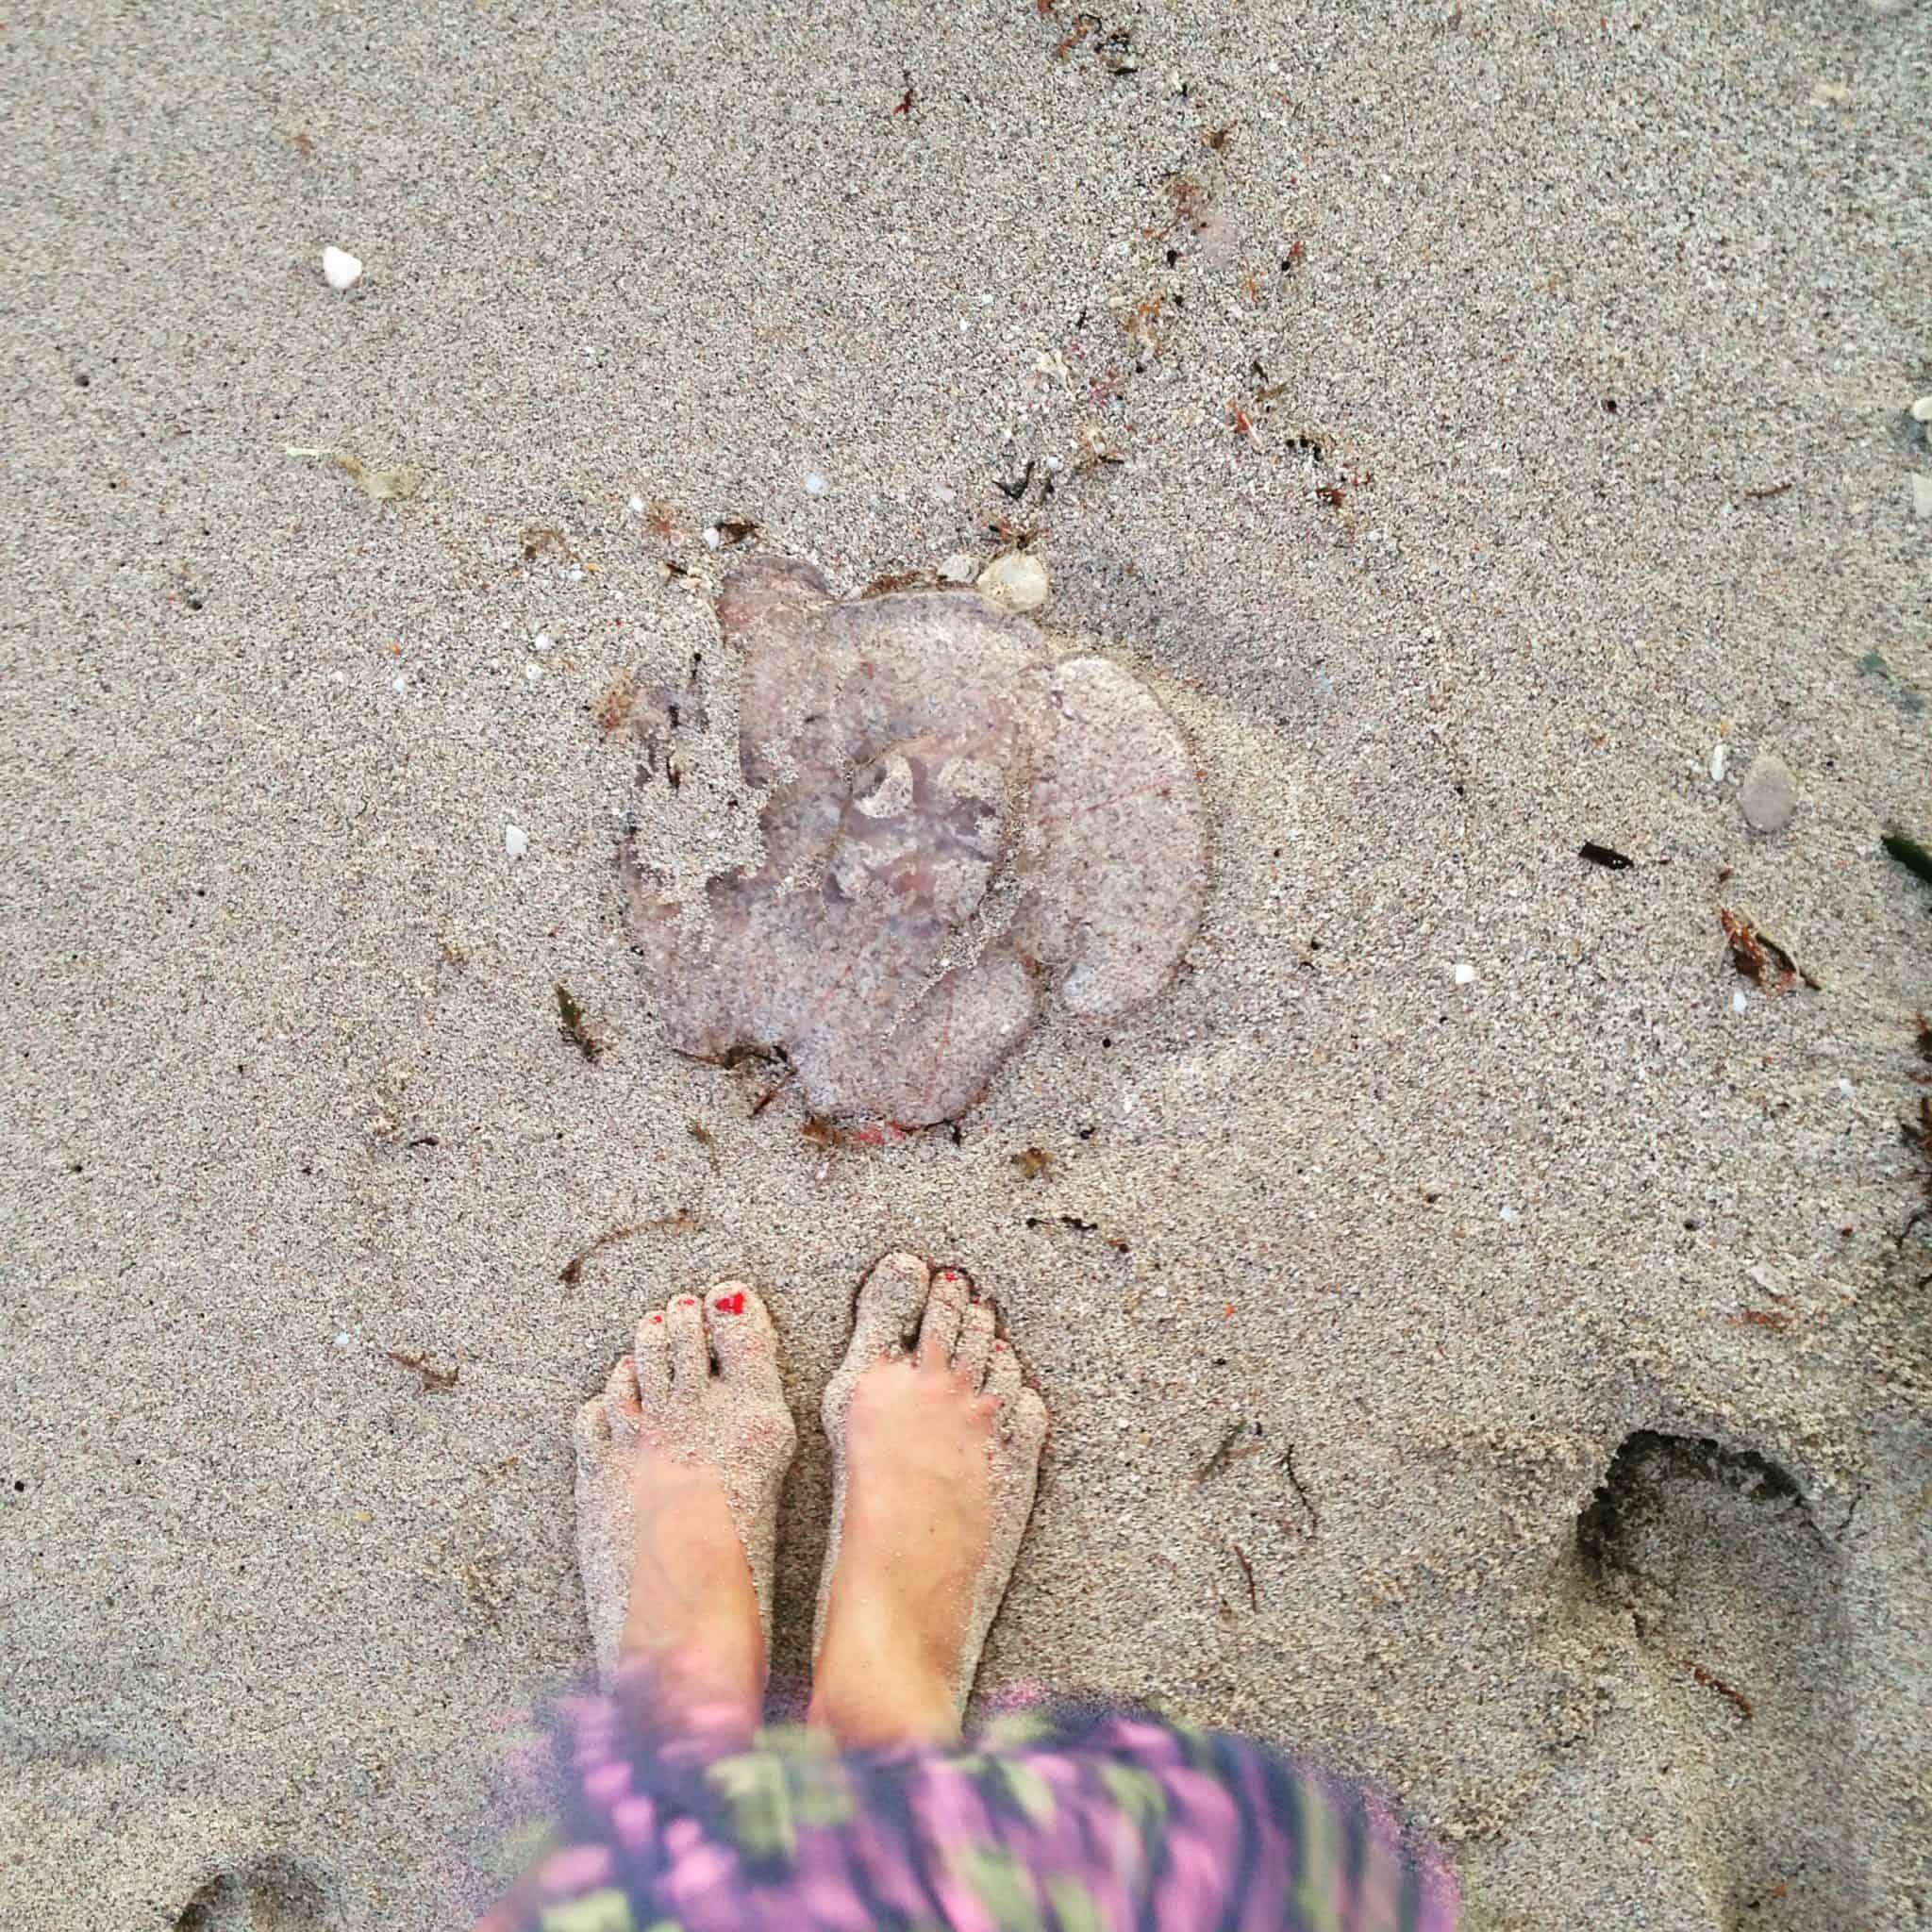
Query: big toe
(890, 1301)
(743, 1337)
(945, 1315)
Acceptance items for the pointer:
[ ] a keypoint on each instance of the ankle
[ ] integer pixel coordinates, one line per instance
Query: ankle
(879, 1688)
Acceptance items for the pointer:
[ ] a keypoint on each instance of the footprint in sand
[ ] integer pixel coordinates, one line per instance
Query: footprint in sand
(954, 822)
(270, 1894)
(1706, 1561)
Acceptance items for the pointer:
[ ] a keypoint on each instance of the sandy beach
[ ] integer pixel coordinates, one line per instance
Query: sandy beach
(1478, 1302)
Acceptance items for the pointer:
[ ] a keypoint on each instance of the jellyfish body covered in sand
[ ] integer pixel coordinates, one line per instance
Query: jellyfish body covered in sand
(956, 828)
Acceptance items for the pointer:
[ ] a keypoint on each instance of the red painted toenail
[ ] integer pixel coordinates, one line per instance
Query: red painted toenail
(657, 1317)
(729, 1304)
(687, 1301)
(999, 1344)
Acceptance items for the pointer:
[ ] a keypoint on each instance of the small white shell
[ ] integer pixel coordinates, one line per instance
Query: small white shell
(516, 842)
(1015, 581)
(1465, 975)
(340, 268)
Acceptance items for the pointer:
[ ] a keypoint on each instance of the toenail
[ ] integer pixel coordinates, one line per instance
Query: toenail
(999, 1344)
(729, 1304)
(657, 1317)
(687, 1301)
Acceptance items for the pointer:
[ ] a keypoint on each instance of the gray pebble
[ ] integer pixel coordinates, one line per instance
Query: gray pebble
(1769, 794)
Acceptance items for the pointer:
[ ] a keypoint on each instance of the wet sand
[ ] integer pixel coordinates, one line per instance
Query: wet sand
(1467, 421)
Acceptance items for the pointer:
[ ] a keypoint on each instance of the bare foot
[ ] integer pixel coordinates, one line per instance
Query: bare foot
(679, 1462)
(935, 1448)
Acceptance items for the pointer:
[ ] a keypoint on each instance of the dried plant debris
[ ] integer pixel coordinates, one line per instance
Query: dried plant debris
(1240, 1556)
(433, 1378)
(1760, 959)
(588, 1040)
(1033, 1163)
(1241, 1440)
(1910, 855)
(707, 1140)
(540, 537)
(381, 486)
(1313, 1516)
(955, 827)
(614, 706)
(1917, 1135)
(680, 1223)
(1730, 1692)
(1605, 855)
(1761, 1318)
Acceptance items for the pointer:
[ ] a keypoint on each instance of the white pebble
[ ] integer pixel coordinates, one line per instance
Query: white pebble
(1510, 1215)
(516, 842)
(1465, 974)
(1922, 498)
(636, 506)
(542, 642)
(344, 1339)
(1739, 1003)
(945, 493)
(533, 670)
(340, 269)
(815, 485)
(1844, 1086)
(1921, 409)
(1015, 581)
(1720, 758)
(399, 684)
(712, 538)
(959, 568)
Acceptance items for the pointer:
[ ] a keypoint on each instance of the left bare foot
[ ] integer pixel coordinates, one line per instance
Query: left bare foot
(679, 1464)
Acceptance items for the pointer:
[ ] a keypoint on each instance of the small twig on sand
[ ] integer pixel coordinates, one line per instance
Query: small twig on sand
(1240, 1556)
(433, 1378)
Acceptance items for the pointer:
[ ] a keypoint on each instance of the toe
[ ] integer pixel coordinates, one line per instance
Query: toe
(590, 1432)
(888, 1305)
(622, 1411)
(945, 1312)
(743, 1337)
(691, 1348)
(1002, 1380)
(973, 1349)
(651, 1352)
(1028, 1426)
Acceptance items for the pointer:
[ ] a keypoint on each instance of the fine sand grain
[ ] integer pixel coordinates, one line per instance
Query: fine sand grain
(1481, 1344)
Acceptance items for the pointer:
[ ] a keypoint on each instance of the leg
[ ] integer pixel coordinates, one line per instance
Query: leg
(935, 1448)
(679, 1463)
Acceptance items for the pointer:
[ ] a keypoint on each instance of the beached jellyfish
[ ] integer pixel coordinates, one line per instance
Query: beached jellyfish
(956, 827)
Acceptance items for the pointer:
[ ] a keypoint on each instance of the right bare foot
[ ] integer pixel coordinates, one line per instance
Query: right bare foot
(935, 1448)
